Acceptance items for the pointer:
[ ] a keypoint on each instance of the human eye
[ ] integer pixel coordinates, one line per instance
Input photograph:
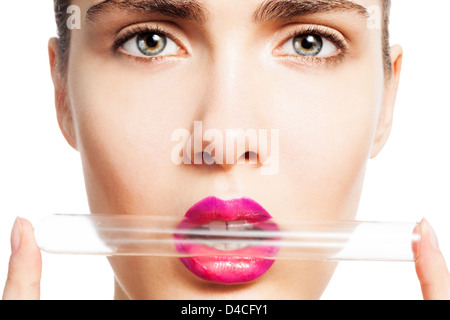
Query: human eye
(313, 42)
(147, 42)
(310, 45)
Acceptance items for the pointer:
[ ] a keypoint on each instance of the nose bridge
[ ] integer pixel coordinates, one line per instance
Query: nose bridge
(230, 112)
(229, 79)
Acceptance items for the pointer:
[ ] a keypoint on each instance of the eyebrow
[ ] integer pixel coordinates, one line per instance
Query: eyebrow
(183, 9)
(289, 9)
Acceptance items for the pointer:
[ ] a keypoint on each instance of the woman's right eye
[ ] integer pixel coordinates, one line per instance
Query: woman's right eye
(151, 44)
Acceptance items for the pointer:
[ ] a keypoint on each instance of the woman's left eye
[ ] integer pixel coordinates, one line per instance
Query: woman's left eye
(309, 45)
(151, 44)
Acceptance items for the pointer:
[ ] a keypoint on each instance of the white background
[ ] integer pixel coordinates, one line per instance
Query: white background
(40, 174)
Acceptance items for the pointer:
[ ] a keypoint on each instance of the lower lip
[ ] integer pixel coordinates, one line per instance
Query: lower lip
(237, 266)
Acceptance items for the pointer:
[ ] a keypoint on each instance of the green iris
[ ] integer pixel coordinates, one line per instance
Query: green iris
(151, 44)
(308, 45)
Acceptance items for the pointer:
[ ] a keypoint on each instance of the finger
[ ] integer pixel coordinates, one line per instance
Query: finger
(431, 267)
(25, 264)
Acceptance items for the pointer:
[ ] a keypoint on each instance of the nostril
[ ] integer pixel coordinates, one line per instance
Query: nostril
(208, 158)
(250, 157)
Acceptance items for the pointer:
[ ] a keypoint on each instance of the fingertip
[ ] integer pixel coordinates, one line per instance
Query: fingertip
(28, 232)
(430, 235)
(430, 266)
(427, 242)
(16, 235)
(28, 246)
(25, 264)
(23, 243)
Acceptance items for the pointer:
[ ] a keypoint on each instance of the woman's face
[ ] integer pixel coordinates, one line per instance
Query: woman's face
(135, 77)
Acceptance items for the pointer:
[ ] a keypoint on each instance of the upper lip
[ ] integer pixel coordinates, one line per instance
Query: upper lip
(213, 208)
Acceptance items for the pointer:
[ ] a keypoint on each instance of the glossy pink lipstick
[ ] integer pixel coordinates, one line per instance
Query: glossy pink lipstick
(241, 265)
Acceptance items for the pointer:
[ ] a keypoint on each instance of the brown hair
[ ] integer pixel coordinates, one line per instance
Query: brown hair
(64, 33)
(386, 10)
(61, 16)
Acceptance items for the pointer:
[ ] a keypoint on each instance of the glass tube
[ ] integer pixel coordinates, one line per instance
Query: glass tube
(125, 235)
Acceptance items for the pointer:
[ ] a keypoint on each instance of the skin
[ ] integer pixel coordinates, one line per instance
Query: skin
(333, 115)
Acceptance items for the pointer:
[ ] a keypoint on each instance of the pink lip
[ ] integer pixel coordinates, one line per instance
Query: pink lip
(244, 266)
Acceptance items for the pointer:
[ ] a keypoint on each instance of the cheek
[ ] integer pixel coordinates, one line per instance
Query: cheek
(326, 142)
(124, 123)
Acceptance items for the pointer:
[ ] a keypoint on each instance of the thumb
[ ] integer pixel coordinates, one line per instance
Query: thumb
(25, 264)
(431, 267)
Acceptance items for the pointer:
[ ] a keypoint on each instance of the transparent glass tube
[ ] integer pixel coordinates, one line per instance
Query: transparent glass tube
(132, 235)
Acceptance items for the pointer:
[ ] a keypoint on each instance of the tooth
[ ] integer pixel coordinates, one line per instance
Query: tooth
(240, 225)
(219, 246)
(234, 246)
(222, 246)
(218, 225)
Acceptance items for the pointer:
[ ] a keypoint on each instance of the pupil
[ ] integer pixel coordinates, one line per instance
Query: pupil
(308, 42)
(153, 41)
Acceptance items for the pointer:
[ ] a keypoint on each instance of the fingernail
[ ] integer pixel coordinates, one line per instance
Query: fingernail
(16, 234)
(431, 235)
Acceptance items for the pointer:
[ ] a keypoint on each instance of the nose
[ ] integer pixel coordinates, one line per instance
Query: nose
(229, 128)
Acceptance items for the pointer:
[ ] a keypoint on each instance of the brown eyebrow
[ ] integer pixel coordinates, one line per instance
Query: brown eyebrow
(289, 9)
(183, 9)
